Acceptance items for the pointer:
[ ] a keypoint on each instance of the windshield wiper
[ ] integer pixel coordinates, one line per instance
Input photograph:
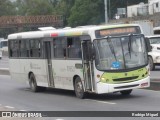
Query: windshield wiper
(129, 45)
(111, 48)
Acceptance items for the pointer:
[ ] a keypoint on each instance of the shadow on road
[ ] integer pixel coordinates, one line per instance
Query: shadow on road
(101, 97)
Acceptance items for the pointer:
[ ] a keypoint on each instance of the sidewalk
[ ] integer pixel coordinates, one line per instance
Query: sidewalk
(4, 71)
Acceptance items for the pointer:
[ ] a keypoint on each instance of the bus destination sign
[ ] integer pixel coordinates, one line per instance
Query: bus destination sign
(117, 31)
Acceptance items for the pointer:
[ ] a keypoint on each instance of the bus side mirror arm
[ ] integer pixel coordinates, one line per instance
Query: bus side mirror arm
(93, 51)
(148, 45)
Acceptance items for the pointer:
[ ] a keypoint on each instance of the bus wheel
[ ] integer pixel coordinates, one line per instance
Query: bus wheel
(33, 83)
(151, 64)
(78, 88)
(126, 92)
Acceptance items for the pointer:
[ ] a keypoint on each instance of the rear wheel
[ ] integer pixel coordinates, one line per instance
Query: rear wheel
(33, 83)
(126, 92)
(151, 64)
(78, 88)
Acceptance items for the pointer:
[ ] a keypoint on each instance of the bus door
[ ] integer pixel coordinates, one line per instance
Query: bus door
(47, 46)
(88, 72)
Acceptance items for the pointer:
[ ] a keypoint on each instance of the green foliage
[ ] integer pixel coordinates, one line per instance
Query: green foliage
(75, 12)
(85, 12)
(34, 7)
(7, 8)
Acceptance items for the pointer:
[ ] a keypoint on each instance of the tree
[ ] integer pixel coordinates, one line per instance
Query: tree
(7, 8)
(34, 7)
(63, 7)
(86, 12)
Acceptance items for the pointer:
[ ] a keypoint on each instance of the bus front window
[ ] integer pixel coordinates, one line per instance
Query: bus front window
(124, 52)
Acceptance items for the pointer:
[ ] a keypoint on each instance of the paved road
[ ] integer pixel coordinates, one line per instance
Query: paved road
(17, 96)
(156, 73)
(4, 62)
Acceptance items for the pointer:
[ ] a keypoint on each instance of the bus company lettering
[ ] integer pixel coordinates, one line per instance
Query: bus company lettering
(34, 66)
(70, 68)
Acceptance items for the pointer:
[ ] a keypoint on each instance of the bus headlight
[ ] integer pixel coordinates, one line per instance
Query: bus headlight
(104, 80)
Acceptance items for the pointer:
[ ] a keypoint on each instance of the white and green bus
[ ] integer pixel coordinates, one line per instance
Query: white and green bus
(97, 59)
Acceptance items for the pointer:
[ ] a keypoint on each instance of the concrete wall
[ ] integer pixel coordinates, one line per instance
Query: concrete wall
(154, 6)
(136, 10)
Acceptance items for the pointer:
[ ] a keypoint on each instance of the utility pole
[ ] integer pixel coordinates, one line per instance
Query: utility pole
(106, 11)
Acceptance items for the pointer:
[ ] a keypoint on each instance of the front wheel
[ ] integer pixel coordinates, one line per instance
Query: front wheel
(78, 88)
(126, 92)
(151, 64)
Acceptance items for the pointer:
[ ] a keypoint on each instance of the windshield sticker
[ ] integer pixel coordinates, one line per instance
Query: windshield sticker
(116, 65)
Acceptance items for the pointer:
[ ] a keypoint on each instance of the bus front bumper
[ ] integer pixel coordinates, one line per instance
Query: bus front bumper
(109, 88)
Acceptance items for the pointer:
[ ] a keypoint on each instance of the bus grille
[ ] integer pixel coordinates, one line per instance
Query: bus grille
(128, 86)
(125, 79)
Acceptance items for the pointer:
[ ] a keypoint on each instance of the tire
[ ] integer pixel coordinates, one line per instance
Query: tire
(78, 88)
(33, 83)
(126, 92)
(151, 64)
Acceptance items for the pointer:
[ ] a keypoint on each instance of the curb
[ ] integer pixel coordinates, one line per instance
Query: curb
(4, 71)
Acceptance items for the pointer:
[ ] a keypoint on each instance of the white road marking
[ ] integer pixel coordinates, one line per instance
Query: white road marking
(23, 110)
(102, 101)
(59, 119)
(9, 107)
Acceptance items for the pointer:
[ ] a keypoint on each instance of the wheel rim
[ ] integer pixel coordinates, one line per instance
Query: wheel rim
(32, 84)
(79, 88)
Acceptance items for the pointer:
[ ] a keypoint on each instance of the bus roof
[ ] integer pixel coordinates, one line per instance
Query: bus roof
(81, 30)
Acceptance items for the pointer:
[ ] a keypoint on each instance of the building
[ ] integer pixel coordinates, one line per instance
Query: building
(137, 10)
(154, 6)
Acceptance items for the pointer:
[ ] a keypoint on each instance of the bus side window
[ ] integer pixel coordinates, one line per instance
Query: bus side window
(14, 48)
(35, 48)
(74, 47)
(24, 48)
(11, 44)
(60, 47)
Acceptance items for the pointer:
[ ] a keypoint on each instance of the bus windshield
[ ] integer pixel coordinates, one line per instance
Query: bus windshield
(114, 53)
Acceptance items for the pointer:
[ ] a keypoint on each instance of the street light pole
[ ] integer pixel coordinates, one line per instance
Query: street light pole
(106, 11)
